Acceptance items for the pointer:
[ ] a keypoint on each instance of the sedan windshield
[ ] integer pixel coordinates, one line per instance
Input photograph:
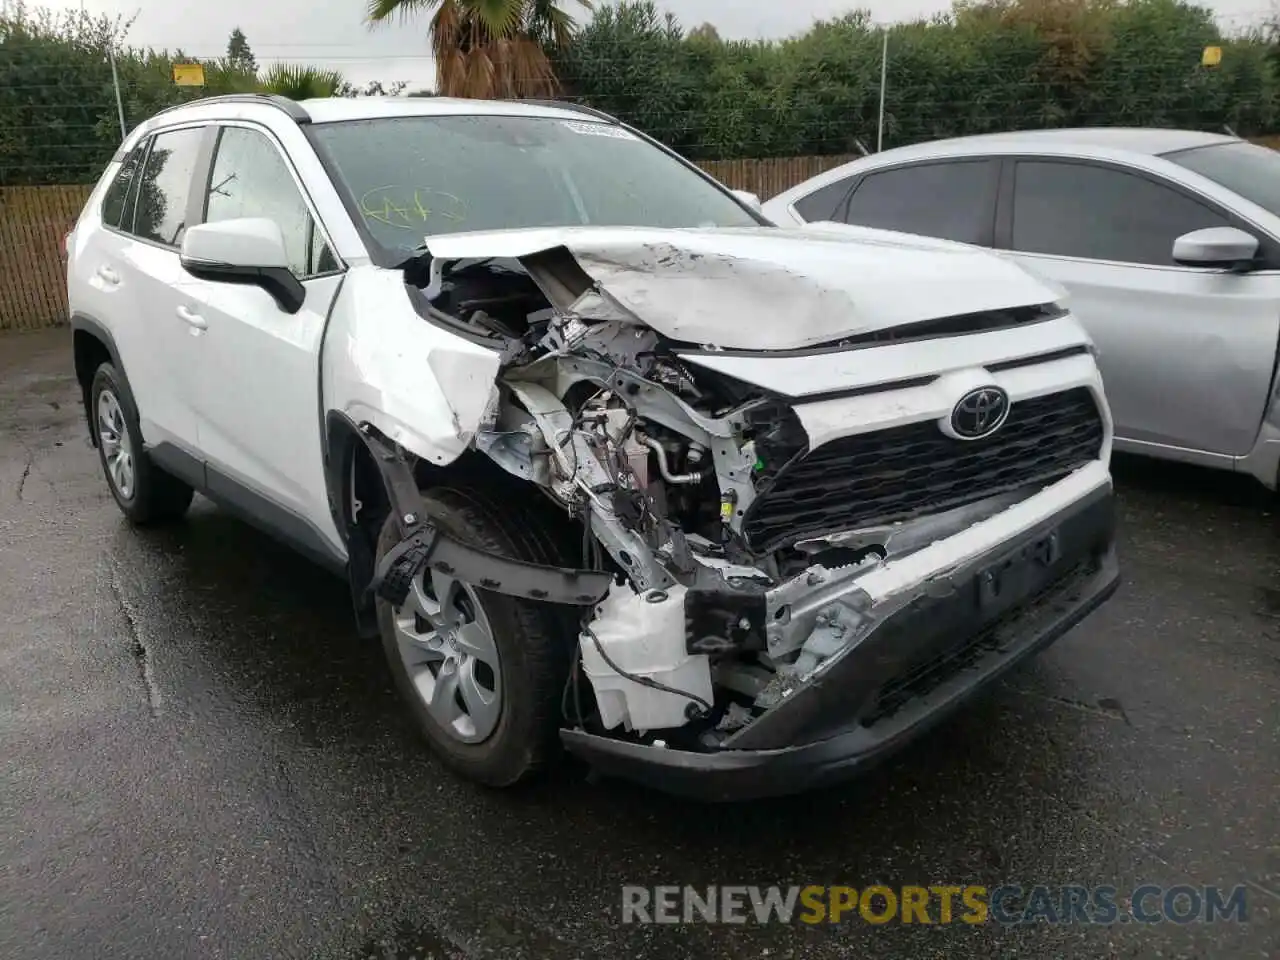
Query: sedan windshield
(1251, 171)
(409, 178)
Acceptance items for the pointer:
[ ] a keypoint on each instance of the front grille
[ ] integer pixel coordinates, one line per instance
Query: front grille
(917, 470)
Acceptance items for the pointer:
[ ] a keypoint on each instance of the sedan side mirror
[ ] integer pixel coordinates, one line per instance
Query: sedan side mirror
(247, 250)
(750, 199)
(1224, 247)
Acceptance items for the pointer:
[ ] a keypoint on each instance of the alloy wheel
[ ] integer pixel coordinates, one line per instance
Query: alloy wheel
(446, 644)
(117, 448)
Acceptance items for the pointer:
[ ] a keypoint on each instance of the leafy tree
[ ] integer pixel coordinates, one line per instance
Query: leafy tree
(986, 65)
(707, 32)
(489, 48)
(633, 62)
(239, 53)
(58, 115)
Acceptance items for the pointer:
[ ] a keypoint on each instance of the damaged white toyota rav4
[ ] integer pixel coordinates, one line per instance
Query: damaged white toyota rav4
(609, 462)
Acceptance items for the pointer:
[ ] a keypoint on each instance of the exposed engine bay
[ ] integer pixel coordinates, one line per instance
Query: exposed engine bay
(721, 604)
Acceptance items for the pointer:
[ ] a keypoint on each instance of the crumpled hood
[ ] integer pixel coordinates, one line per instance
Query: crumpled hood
(771, 288)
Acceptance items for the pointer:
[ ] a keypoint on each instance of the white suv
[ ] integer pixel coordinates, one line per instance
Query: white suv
(607, 460)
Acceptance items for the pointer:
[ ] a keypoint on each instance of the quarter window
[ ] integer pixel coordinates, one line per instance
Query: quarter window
(250, 179)
(825, 202)
(165, 186)
(951, 201)
(1101, 213)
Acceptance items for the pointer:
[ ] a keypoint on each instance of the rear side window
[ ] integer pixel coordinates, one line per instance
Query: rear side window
(824, 203)
(1101, 213)
(165, 186)
(113, 201)
(951, 201)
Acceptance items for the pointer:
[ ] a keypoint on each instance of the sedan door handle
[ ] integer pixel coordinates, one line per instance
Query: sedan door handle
(193, 319)
(109, 275)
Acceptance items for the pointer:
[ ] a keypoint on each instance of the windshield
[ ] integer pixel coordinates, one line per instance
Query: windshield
(1244, 168)
(413, 177)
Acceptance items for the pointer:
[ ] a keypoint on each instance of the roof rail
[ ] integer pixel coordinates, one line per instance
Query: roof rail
(291, 107)
(575, 107)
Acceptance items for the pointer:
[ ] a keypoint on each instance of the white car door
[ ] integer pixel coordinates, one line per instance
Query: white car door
(258, 381)
(1187, 354)
(139, 262)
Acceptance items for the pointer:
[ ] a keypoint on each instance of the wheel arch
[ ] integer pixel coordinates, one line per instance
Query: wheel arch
(91, 346)
(344, 448)
(359, 498)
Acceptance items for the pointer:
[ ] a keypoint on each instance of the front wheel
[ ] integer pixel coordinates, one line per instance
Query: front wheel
(481, 673)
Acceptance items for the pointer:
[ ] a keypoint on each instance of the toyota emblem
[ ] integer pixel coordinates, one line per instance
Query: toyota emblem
(980, 413)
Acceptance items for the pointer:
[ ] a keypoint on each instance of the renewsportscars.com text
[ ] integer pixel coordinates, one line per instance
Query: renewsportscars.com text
(937, 904)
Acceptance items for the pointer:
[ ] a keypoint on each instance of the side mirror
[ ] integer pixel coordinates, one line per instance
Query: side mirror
(1224, 247)
(248, 250)
(750, 199)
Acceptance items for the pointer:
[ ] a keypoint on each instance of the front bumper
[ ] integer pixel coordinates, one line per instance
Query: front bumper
(928, 649)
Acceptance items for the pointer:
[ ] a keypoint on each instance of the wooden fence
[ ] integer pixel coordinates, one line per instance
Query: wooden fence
(768, 178)
(33, 221)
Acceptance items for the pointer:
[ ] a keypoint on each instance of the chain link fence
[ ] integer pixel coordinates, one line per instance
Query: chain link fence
(759, 116)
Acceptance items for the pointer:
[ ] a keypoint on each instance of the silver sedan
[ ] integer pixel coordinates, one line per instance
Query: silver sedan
(1167, 243)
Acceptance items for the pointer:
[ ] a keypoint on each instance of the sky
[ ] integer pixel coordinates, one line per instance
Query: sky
(332, 33)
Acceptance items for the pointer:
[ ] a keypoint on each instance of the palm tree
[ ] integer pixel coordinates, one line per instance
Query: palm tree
(299, 82)
(489, 48)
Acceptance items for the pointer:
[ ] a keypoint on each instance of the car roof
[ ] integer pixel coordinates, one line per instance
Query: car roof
(1149, 141)
(1139, 146)
(332, 109)
(270, 108)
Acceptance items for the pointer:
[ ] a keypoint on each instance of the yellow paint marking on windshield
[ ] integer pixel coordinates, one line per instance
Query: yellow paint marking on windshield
(406, 208)
(423, 212)
(459, 217)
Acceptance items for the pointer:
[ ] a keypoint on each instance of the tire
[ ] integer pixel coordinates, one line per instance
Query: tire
(533, 643)
(145, 493)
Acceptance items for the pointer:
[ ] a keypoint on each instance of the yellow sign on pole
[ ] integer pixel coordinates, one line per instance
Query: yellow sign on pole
(1211, 57)
(188, 74)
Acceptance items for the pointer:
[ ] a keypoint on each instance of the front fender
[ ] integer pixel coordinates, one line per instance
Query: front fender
(422, 386)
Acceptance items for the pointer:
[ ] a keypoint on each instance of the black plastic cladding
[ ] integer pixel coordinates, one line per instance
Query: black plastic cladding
(903, 472)
(927, 675)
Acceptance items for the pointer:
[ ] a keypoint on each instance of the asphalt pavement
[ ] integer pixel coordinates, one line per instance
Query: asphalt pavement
(199, 759)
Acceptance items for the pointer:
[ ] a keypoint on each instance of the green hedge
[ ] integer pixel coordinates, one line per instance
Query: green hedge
(984, 67)
(59, 121)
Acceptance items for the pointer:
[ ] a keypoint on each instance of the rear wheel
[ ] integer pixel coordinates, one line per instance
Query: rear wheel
(480, 672)
(144, 492)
